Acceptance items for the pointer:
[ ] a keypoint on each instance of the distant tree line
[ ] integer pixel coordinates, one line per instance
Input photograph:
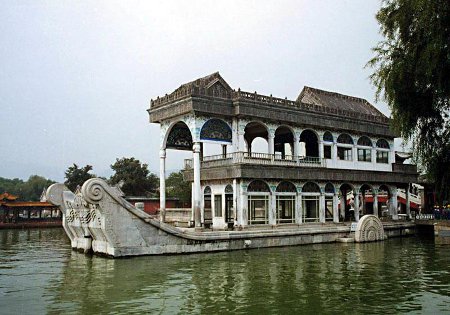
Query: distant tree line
(134, 179)
(132, 176)
(29, 190)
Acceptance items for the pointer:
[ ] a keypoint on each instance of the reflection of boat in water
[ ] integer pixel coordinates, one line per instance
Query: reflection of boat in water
(97, 219)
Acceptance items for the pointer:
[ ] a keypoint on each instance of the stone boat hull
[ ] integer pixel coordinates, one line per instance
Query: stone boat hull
(98, 220)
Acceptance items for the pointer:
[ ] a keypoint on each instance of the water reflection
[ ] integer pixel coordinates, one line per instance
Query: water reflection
(399, 275)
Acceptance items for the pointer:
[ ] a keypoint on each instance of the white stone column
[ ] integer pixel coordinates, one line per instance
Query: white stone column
(235, 134)
(342, 206)
(271, 140)
(272, 209)
(394, 203)
(334, 156)
(197, 189)
(374, 153)
(162, 185)
(242, 210)
(375, 203)
(320, 149)
(296, 146)
(235, 200)
(335, 208)
(322, 207)
(363, 203)
(354, 153)
(192, 202)
(299, 209)
(408, 202)
(356, 205)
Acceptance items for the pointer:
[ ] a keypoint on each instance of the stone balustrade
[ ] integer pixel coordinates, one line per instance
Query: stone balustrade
(256, 159)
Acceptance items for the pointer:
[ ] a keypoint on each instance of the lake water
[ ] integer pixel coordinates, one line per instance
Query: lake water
(39, 273)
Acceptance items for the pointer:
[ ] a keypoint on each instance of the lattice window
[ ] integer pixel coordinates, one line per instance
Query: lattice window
(229, 189)
(258, 186)
(216, 129)
(286, 187)
(179, 137)
(329, 188)
(345, 138)
(382, 144)
(327, 136)
(311, 187)
(365, 141)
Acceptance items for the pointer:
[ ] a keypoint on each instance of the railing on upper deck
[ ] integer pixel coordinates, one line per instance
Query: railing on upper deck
(256, 159)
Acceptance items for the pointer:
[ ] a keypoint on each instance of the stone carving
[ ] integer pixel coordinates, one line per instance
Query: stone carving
(180, 137)
(369, 229)
(216, 129)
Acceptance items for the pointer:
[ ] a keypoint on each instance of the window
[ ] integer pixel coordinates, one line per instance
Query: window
(327, 151)
(382, 144)
(258, 209)
(217, 205)
(329, 208)
(344, 153)
(207, 204)
(364, 141)
(310, 208)
(285, 209)
(383, 157)
(345, 138)
(364, 155)
(327, 136)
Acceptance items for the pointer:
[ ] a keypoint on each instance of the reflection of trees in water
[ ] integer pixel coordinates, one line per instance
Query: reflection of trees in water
(323, 278)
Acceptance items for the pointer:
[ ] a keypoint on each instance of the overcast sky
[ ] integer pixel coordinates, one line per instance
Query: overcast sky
(76, 77)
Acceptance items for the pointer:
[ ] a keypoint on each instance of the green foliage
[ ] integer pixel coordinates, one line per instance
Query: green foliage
(29, 190)
(76, 176)
(177, 187)
(412, 74)
(135, 177)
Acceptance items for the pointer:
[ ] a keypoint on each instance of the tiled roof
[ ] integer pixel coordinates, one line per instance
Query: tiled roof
(206, 82)
(334, 100)
(8, 197)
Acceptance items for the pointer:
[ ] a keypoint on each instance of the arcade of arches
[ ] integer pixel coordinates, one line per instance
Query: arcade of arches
(251, 202)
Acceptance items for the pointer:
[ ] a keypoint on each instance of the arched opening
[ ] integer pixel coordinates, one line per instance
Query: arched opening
(229, 208)
(346, 203)
(284, 142)
(285, 202)
(258, 202)
(345, 147)
(310, 200)
(329, 201)
(367, 198)
(179, 137)
(364, 149)
(216, 136)
(207, 205)
(309, 144)
(253, 131)
(384, 201)
(216, 130)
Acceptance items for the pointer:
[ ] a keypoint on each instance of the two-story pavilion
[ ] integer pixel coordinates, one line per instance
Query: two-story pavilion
(325, 152)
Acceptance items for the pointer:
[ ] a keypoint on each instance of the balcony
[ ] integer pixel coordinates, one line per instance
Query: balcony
(256, 159)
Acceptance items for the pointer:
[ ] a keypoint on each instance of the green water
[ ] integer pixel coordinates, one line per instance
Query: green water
(39, 274)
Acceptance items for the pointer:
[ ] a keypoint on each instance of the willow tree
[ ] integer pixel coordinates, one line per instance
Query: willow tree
(412, 74)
